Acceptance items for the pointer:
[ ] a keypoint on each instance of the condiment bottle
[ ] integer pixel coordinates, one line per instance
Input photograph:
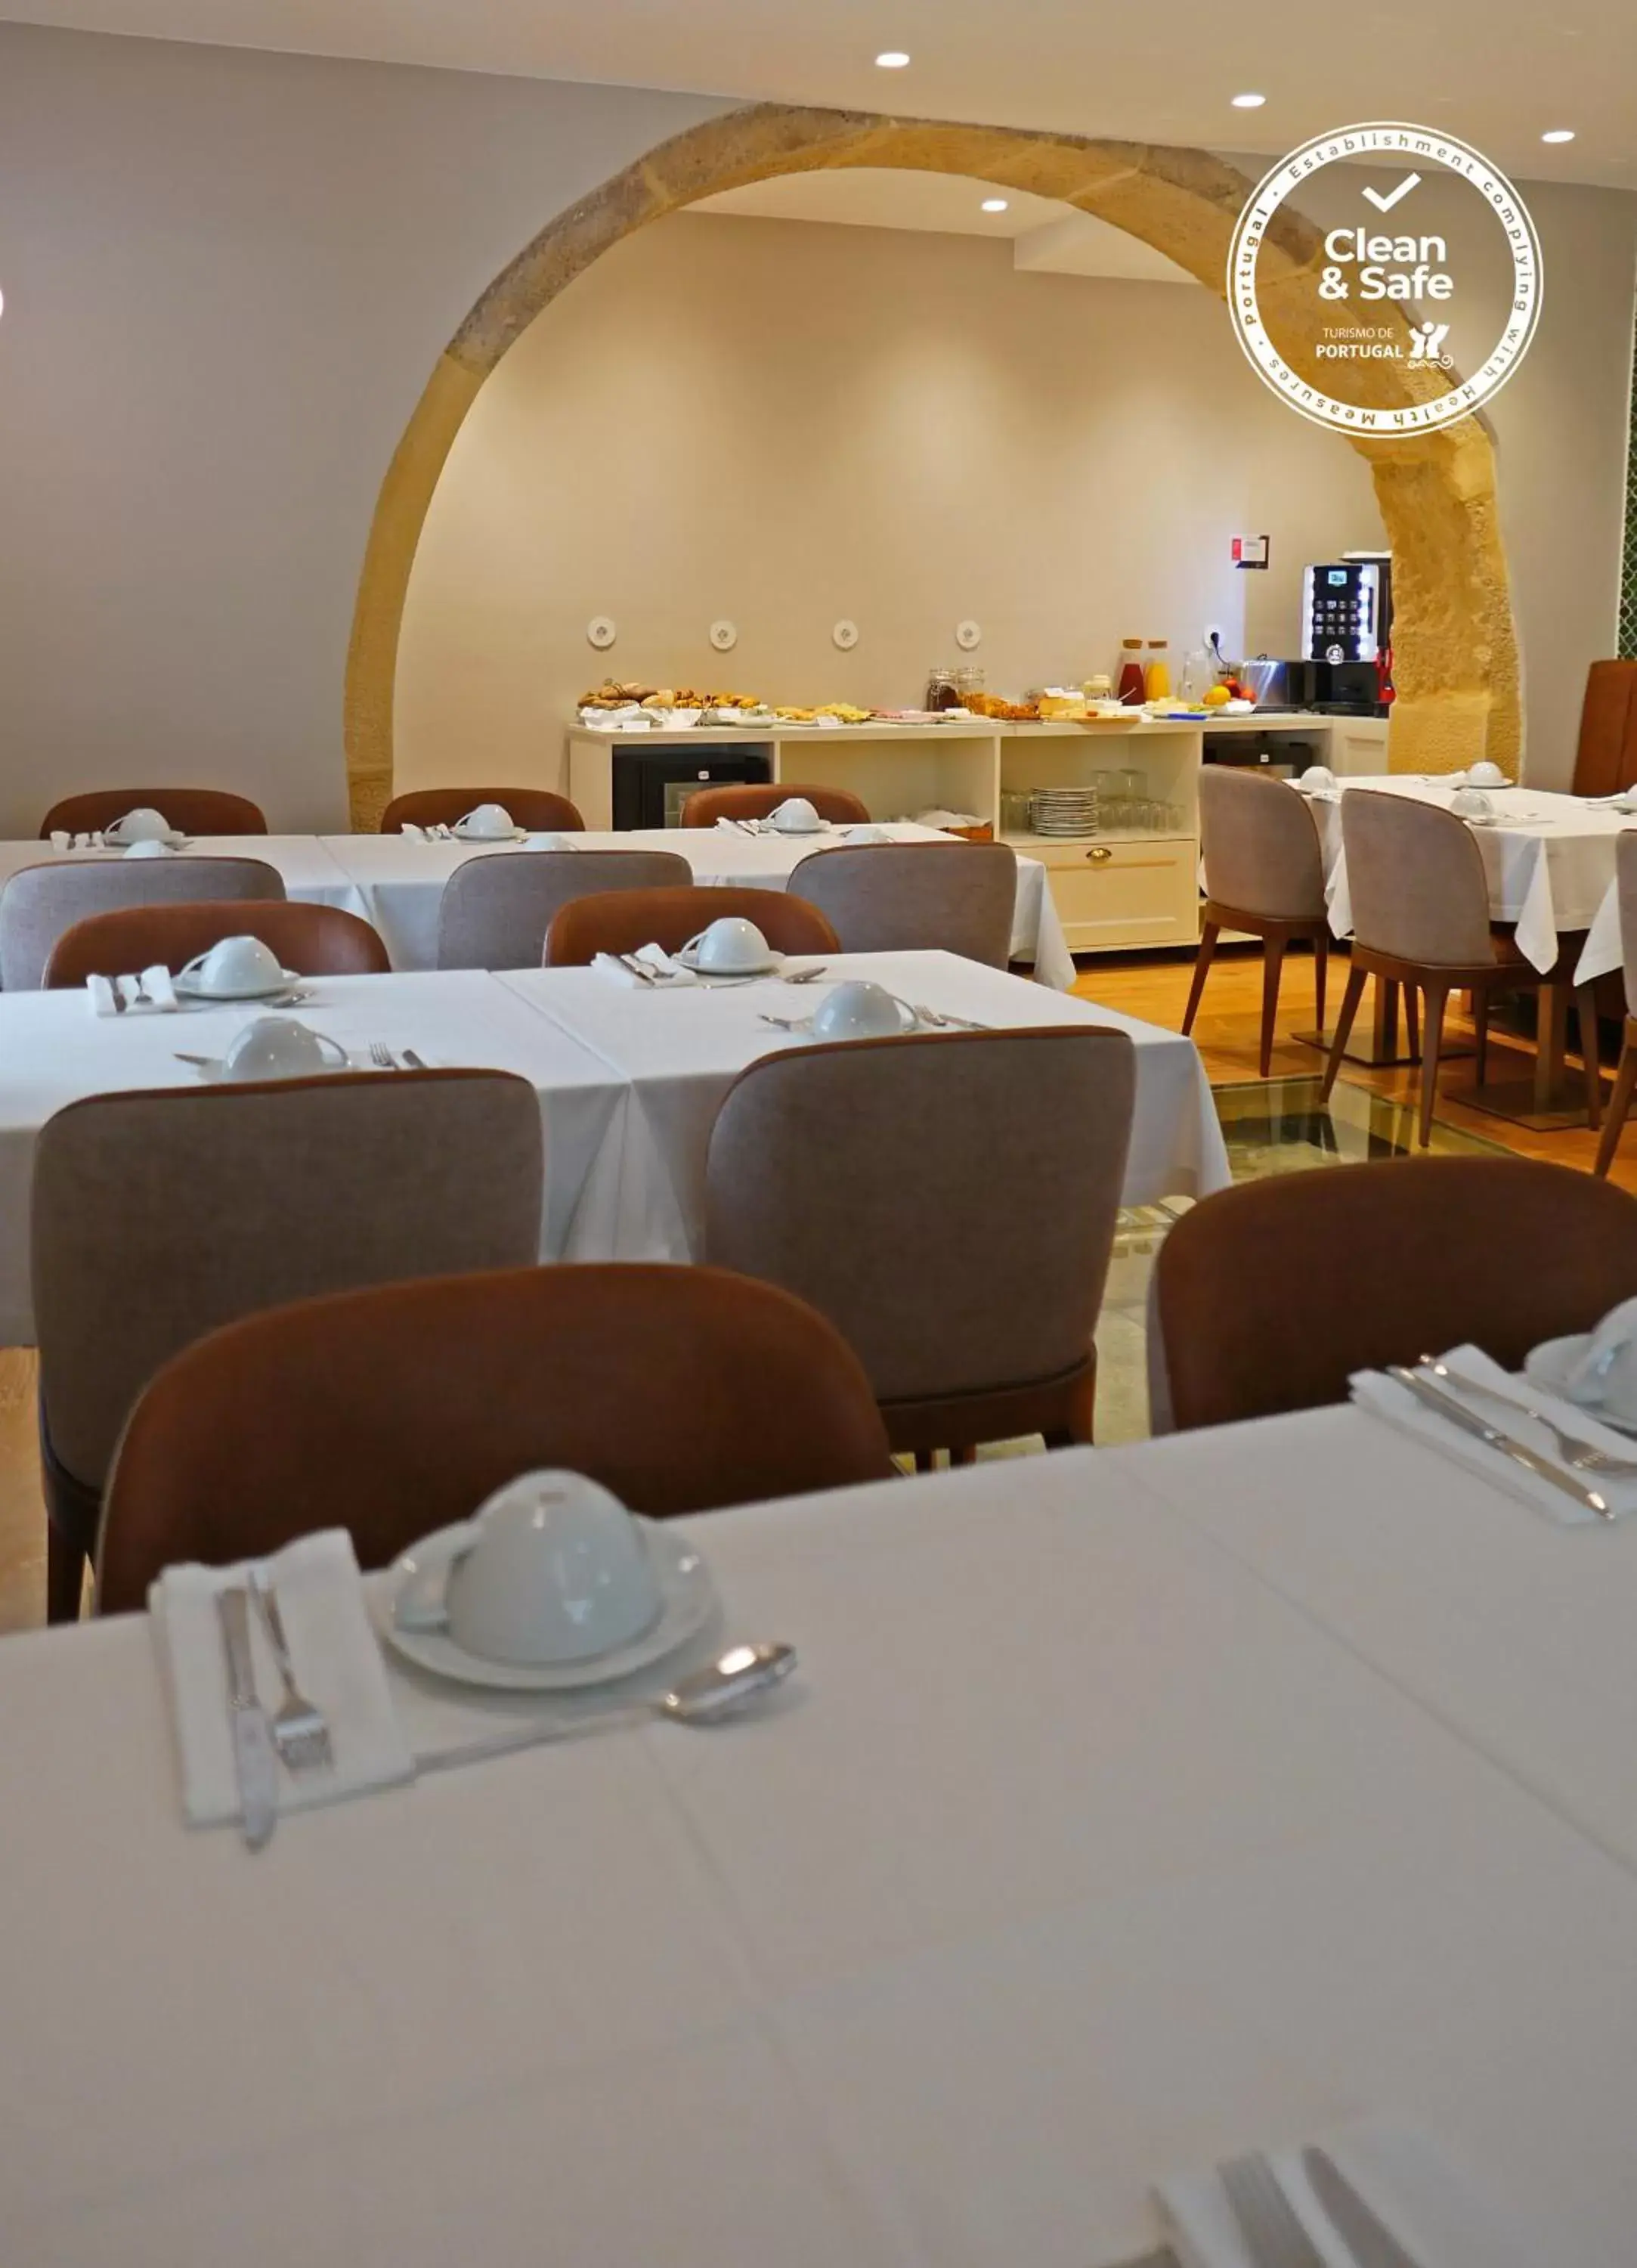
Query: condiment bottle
(1133, 690)
(1156, 677)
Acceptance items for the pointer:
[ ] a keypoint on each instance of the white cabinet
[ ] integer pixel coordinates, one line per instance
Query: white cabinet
(1112, 896)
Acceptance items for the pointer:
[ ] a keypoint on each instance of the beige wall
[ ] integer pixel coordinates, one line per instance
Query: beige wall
(786, 423)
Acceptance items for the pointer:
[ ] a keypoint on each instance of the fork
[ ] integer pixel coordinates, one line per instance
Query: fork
(939, 1022)
(1574, 1449)
(1272, 2233)
(299, 1733)
(640, 969)
(381, 1055)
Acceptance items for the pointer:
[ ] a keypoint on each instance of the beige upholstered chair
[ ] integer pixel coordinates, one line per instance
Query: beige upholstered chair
(39, 904)
(1421, 917)
(898, 897)
(158, 1216)
(193, 810)
(444, 807)
(864, 1179)
(1626, 1077)
(496, 910)
(309, 940)
(1264, 874)
(751, 799)
(394, 1412)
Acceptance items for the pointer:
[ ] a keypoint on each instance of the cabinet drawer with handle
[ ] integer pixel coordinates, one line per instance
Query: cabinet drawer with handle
(1132, 892)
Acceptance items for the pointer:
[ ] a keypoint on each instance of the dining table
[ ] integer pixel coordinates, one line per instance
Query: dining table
(629, 1079)
(1098, 1838)
(396, 881)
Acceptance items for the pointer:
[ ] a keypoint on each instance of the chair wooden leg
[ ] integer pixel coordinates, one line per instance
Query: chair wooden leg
(925, 1460)
(1272, 968)
(1437, 995)
(1350, 1000)
(1321, 966)
(1586, 1012)
(1619, 1102)
(965, 1456)
(65, 1576)
(1208, 936)
(1413, 1021)
(1480, 1031)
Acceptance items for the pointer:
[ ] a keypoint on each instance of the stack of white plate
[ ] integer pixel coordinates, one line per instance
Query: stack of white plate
(1063, 811)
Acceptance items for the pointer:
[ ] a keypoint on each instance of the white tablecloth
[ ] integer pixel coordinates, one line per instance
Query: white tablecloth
(1549, 860)
(681, 1051)
(1077, 1856)
(53, 1050)
(310, 873)
(398, 883)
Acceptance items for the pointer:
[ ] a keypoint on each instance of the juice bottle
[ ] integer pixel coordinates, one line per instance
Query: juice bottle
(1156, 677)
(1133, 689)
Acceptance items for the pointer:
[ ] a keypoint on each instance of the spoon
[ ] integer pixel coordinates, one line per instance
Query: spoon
(721, 1689)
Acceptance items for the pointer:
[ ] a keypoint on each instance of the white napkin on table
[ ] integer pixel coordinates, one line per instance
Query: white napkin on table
(1384, 1398)
(338, 1668)
(1409, 2183)
(158, 994)
(669, 970)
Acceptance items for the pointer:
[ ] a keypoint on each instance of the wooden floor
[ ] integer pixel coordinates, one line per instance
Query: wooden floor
(1153, 989)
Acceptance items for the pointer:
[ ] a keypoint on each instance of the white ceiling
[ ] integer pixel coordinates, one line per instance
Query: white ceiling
(1496, 71)
(1045, 236)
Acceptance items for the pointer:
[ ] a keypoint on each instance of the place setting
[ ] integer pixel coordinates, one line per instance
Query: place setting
(486, 824)
(140, 834)
(553, 1613)
(727, 953)
(859, 1009)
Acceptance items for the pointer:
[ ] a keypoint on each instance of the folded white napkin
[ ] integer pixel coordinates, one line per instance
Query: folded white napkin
(157, 998)
(338, 1668)
(415, 833)
(1384, 1398)
(1410, 2184)
(671, 972)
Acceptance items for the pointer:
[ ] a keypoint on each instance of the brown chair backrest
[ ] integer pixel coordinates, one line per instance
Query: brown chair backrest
(394, 1412)
(536, 807)
(495, 910)
(1416, 878)
(620, 921)
(309, 940)
(707, 805)
(158, 1216)
(1625, 880)
(1268, 1297)
(862, 1177)
(39, 903)
(1261, 845)
(1605, 760)
(899, 897)
(191, 810)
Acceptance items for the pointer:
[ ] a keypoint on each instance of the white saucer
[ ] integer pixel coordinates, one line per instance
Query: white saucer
(511, 835)
(171, 841)
(1549, 1365)
(770, 966)
(188, 987)
(689, 1600)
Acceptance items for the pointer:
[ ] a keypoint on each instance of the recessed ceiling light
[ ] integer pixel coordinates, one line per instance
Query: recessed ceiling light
(1249, 101)
(994, 204)
(894, 59)
(1560, 134)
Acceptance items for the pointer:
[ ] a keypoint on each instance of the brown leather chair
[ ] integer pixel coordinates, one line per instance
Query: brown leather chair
(862, 1177)
(1269, 1296)
(620, 921)
(910, 897)
(1421, 918)
(707, 805)
(159, 1215)
(1626, 1077)
(310, 940)
(393, 1412)
(495, 910)
(1264, 875)
(1605, 760)
(534, 807)
(191, 810)
(40, 905)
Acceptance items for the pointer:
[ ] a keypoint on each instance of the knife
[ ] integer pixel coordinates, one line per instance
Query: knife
(1371, 2243)
(255, 1760)
(1433, 1397)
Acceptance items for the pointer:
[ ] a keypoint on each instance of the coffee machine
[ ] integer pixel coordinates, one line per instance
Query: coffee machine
(1345, 668)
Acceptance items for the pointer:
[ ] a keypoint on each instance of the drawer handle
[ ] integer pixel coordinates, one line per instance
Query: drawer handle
(1102, 854)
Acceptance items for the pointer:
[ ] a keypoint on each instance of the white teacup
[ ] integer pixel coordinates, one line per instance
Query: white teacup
(281, 1047)
(141, 825)
(548, 843)
(1607, 1370)
(1486, 775)
(857, 1011)
(731, 946)
(487, 821)
(235, 968)
(149, 847)
(797, 816)
(867, 834)
(1471, 803)
(1317, 775)
(551, 1568)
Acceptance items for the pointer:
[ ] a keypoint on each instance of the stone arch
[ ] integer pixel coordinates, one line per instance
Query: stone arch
(1456, 652)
